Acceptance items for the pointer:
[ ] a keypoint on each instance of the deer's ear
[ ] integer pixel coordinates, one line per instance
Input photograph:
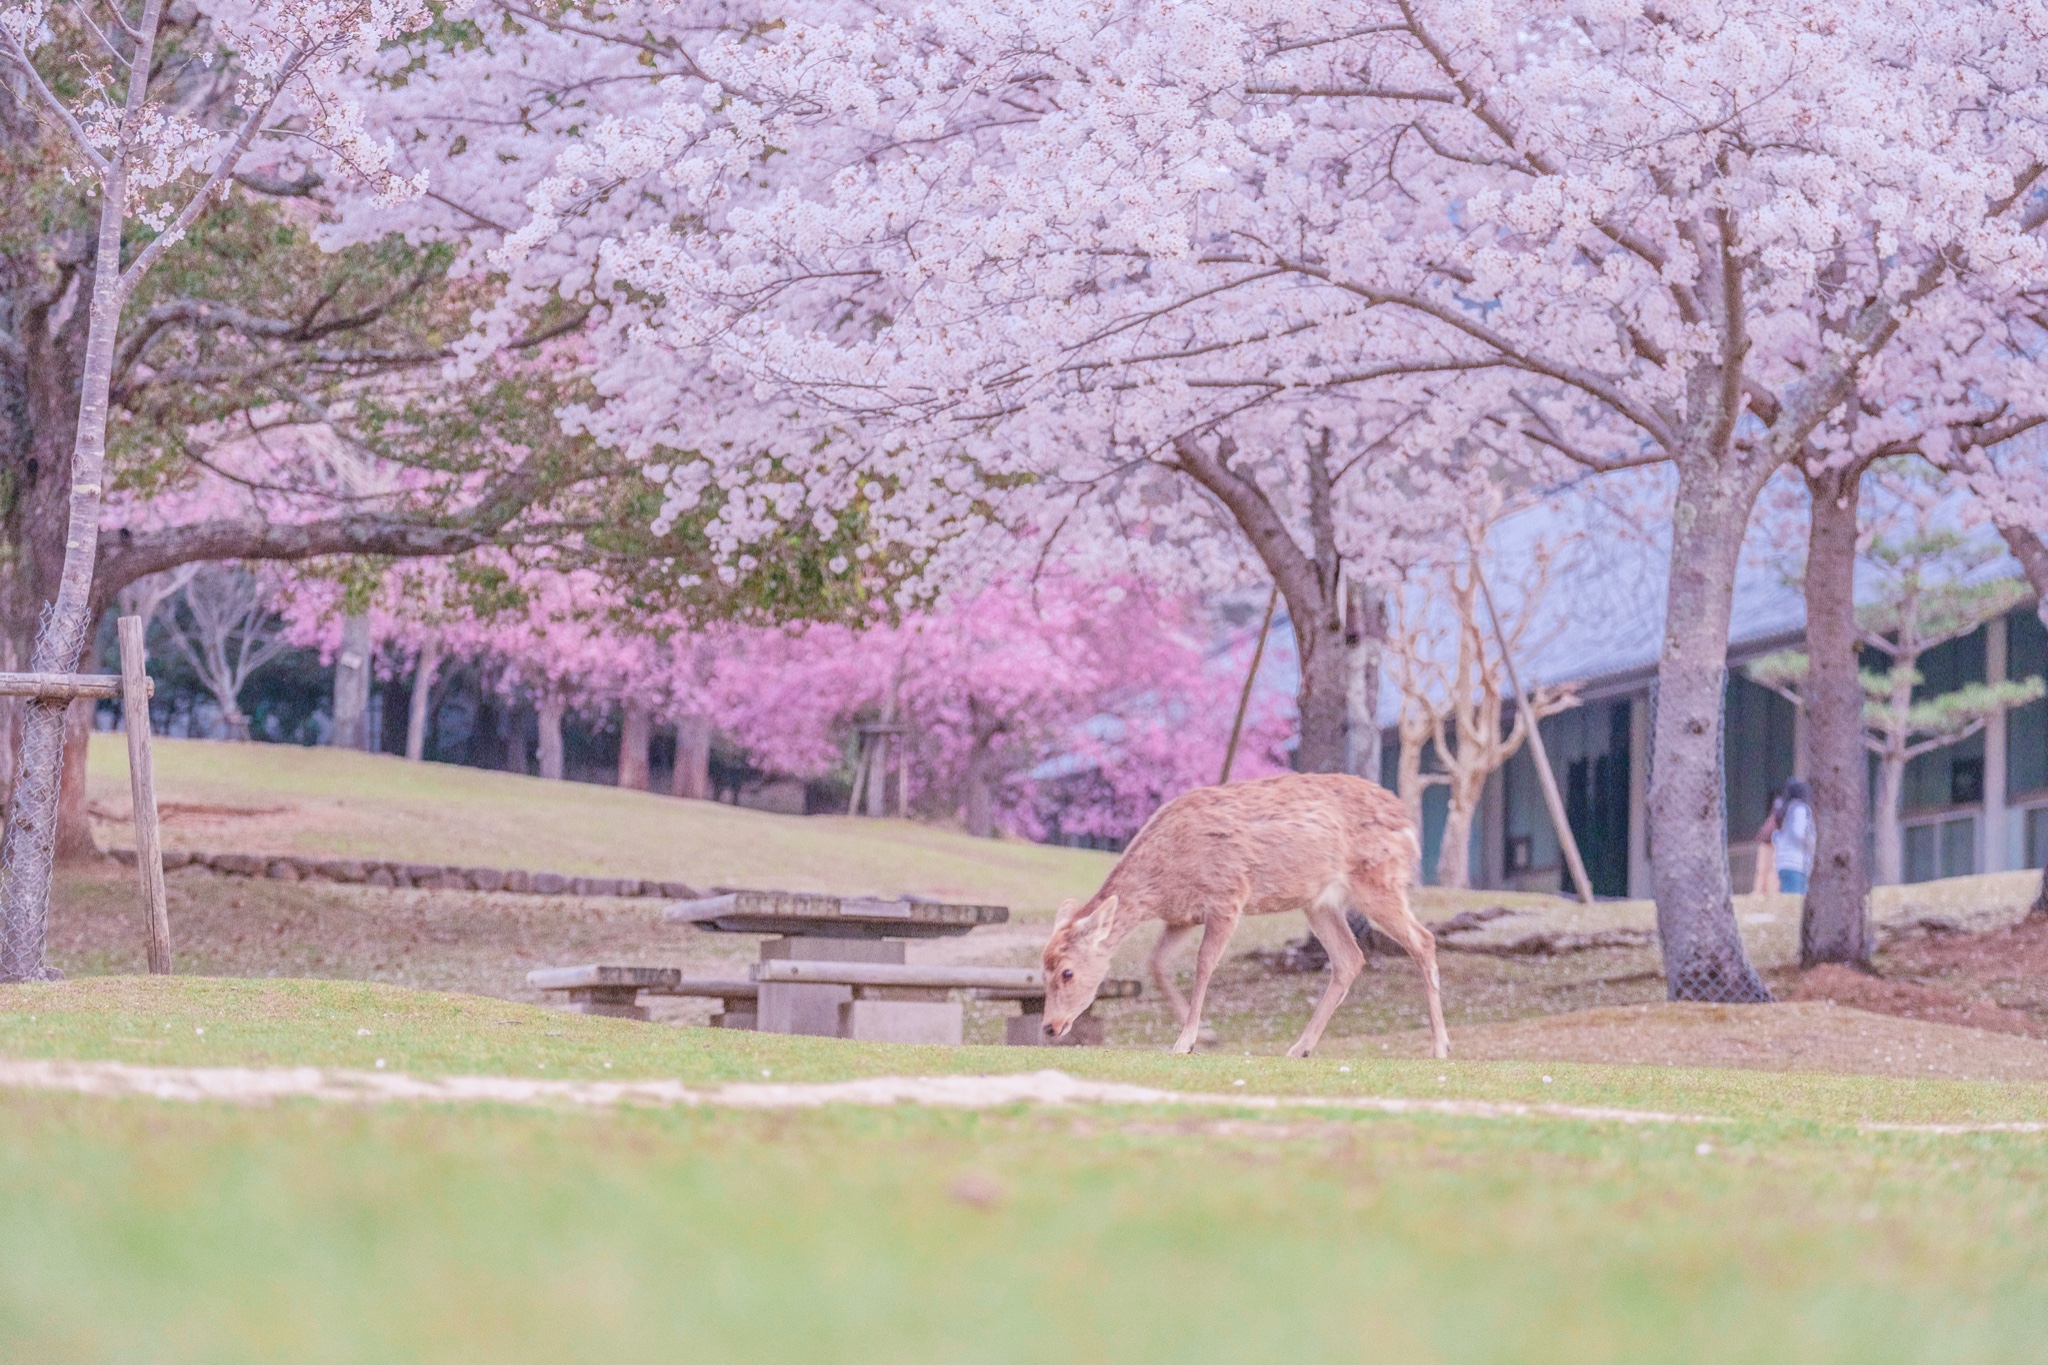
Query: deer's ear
(1066, 911)
(1100, 922)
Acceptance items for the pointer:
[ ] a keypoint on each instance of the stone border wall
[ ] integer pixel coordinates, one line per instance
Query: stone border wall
(427, 876)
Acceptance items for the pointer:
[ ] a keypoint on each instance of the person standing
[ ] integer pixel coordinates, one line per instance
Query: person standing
(1765, 883)
(1793, 839)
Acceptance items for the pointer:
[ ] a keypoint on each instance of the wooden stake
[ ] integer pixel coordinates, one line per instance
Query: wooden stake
(1244, 699)
(862, 756)
(903, 777)
(149, 853)
(1566, 841)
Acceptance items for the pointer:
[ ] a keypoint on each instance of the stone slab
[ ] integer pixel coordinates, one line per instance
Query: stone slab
(610, 1001)
(594, 974)
(901, 1021)
(846, 917)
(894, 974)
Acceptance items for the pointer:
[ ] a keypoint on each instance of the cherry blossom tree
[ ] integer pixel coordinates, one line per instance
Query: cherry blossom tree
(156, 169)
(1110, 249)
(1111, 682)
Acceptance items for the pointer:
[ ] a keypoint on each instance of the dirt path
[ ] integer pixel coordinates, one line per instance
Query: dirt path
(253, 1085)
(262, 1086)
(1798, 1036)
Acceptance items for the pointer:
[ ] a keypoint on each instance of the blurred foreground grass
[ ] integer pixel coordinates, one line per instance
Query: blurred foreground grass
(132, 1230)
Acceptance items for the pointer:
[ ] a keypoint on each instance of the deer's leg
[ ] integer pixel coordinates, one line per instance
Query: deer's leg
(1215, 938)
(1386, 908)
(1170, 937)
(1326, 921)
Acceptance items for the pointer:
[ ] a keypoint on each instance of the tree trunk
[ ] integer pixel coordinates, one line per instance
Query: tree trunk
(878, 777)
(692, 777)
(2032, 553)
(977, 807)
(1324, 696)
(352, 684)
(422, 699)
(1454, 857)
(75, 843)
(1408, 782)
(551, 710)
(1365, 638)
(1703, 954)
(1834, 923)
(1889, 854)
(29, 850)
(636, 732)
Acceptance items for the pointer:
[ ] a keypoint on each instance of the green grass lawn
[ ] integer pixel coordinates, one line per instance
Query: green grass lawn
(135, 1230)
(197, 1021)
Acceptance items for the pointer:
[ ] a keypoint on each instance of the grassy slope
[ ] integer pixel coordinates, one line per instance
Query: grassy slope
(333, 803)
(338, 803)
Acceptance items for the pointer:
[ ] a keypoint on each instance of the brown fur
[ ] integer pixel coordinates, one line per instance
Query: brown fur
(1315, 842)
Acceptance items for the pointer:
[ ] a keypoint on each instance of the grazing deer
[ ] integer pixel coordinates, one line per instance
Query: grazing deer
(1314, 842)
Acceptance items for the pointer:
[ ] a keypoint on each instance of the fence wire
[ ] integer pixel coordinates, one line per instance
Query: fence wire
(30, 846)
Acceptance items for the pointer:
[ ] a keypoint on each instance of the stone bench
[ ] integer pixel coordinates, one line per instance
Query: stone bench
(912, 1004)
(615, 991)
(892, 1002)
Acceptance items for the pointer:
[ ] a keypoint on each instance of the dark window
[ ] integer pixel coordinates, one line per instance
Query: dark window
(1966, 781)
(1931, 778)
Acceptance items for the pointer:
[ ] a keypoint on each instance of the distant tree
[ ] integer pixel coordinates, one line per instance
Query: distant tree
(222, 621)
(1927, 594)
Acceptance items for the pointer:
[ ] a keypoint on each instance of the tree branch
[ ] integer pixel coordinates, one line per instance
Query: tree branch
(56, 108)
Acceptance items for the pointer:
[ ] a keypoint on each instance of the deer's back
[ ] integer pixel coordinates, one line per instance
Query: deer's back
(1277, 842)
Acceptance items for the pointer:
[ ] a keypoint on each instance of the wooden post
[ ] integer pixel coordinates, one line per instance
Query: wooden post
(149, 853)
(903, 776)
(1547, 779)
(1251, 676)
(862, 755)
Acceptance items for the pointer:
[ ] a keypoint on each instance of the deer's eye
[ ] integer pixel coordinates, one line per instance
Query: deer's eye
(1067, 974)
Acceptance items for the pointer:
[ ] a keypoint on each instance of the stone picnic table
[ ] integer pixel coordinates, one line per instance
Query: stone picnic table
(833, 966)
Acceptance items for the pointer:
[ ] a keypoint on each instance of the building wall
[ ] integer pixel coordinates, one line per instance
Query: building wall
(1980, 805)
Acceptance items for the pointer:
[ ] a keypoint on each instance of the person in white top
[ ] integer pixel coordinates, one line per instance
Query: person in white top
(1792, 839)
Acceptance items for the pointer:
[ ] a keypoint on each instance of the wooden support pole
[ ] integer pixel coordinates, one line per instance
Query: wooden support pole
(149, 853)
(60, 686)
(863, 756)
(1566, 840)
(1251, 676)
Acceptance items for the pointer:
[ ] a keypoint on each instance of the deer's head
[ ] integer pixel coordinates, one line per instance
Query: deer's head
(1076, 959)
